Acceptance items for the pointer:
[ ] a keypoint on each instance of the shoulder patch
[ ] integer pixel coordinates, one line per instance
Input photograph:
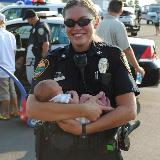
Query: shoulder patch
(42, 66)
(125, 62)
(41, 31)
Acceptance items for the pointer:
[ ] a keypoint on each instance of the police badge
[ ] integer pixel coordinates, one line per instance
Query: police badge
(41, 31)
(103, 65)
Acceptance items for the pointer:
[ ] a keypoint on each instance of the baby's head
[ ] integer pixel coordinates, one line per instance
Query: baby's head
(46, 90)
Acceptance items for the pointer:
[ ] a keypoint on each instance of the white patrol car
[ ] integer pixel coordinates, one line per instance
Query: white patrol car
(128, 18)
(144, 50)
(17, 10)
(24, 56)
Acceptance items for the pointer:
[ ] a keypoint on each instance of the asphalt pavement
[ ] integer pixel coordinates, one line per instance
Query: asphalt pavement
(17, 139)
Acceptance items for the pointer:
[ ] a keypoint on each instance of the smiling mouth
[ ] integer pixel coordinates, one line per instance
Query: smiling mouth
(77, 35)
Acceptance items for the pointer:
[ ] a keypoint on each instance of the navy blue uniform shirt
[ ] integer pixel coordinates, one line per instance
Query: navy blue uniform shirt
(39, 34)
(106, 70)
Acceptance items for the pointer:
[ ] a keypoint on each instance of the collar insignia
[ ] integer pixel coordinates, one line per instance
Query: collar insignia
(42, 66)
(103, 65)
(59, 76)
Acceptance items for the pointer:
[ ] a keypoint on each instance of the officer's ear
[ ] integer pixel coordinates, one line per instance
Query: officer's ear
(96, 22)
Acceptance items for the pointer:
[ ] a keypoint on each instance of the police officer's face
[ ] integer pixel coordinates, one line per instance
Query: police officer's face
(79, 35)
(31, 21)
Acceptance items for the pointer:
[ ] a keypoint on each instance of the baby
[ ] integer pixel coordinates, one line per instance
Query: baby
(50, 90)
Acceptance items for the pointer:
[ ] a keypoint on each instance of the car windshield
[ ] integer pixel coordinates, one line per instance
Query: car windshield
(58, 35)
(12, 13)
(156, 9)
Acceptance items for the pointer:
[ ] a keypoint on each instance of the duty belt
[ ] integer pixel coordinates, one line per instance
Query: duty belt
(57, 138)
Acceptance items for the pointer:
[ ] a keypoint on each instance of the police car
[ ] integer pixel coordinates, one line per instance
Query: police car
(24, 55)
(144, 50)
(18, 9)
(128, 18)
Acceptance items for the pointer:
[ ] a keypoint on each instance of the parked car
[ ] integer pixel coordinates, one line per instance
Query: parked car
(128, 18)
(144, 50)
(24, 55)
(149, 12)
(18, 9)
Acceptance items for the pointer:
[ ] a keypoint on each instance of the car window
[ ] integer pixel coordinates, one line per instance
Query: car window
(58, 34)
(12, 13)
(22, 29)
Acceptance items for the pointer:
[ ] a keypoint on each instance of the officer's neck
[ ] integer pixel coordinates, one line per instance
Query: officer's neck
(80, 48)
(35, 21)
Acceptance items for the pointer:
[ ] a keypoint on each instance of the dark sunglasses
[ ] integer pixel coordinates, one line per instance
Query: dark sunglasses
(81, 22)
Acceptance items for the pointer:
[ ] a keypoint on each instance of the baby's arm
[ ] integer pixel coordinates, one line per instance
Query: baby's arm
(104, 101)
(100, 98)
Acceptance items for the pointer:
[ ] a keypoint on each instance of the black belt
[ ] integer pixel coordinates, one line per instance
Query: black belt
(55, 137)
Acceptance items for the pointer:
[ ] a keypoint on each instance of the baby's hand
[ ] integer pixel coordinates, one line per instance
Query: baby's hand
(74, 97)
(84, 98)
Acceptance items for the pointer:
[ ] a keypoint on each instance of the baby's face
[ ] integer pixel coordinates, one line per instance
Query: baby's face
(56, 89)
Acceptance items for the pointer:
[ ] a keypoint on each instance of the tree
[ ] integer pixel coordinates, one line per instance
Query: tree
(136, 3)
(130, 3)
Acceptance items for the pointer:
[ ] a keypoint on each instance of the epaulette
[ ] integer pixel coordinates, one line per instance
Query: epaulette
(59, 53)
(111, 48)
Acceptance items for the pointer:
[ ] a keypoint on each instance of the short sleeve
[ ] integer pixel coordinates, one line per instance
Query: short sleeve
(42, 72)
(121, 37)
(42, 34)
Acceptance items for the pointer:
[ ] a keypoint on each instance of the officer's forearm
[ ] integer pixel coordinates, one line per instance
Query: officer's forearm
(119, 116)
(45, 48)
(49, 111)
(131, 57)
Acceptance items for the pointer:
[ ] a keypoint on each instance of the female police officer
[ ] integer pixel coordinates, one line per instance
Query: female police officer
(87, 66)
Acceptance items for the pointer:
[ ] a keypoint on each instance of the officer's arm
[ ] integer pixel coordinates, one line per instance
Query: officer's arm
(49, 111)
(125, 111)
(45, 48)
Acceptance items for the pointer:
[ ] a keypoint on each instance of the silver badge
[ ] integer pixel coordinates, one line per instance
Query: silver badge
(103, 65)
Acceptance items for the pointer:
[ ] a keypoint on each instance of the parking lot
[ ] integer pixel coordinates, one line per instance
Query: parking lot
(17, 140)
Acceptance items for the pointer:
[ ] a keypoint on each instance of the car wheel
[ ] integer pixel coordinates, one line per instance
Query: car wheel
(133, 33)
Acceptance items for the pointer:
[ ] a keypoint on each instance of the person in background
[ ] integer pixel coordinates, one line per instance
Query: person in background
(156, 23)
(112, 31)
(39, 36)
(87, 65)
(139, 16)
(8, 96)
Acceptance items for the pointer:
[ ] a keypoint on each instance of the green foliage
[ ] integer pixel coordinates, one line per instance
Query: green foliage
(130, 3)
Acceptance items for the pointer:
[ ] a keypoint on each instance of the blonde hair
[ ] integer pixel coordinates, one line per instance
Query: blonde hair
(88, 4)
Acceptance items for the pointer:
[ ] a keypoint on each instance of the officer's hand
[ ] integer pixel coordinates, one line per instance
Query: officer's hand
(70, 126)
(93, 109)
(140, 70)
